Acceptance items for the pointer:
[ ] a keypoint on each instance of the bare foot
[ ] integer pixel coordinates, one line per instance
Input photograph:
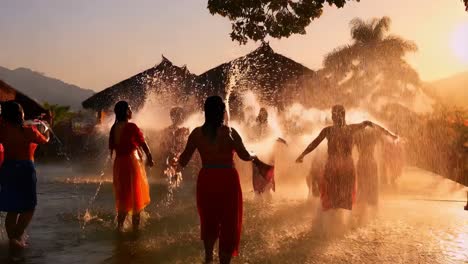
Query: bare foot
(17, 244)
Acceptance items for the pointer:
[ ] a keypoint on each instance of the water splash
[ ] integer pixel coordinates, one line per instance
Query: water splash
(85, 218)
(174, 180)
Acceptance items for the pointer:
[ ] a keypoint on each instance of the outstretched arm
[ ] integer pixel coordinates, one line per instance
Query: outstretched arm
(356, 127)
(190, 148)
(239, 147)
(323, 134)
(384, 131)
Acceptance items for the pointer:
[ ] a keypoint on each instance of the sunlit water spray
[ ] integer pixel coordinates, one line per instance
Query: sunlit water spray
(285, 230)
(84, 215)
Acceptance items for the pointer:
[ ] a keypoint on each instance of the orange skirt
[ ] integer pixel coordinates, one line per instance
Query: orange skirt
(131, 187)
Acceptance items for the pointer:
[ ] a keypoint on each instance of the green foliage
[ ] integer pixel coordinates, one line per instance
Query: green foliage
(60, 113)
(258, 19)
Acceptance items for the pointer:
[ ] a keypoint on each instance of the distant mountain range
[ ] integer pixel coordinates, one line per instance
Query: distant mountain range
(452, 90)
(45, 89)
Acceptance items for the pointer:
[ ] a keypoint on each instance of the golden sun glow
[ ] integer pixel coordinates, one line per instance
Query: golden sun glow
(460, 42)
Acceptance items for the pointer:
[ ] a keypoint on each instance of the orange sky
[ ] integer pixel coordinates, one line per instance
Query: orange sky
(95, 44)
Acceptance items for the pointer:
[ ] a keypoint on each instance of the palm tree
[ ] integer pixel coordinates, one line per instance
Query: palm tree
(59, 113)
(373, 65)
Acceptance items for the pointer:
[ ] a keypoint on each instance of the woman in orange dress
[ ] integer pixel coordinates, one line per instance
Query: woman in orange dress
(338, 185)
(219, 194)
(131, 187)
(18, 195)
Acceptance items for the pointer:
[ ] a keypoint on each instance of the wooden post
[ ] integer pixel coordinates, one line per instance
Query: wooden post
(99, 117)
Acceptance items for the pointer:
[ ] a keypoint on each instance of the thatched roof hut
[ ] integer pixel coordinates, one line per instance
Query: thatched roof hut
(165, 78)
(276, 79)
(32, 109)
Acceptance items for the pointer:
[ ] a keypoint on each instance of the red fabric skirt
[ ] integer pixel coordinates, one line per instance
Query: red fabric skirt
(219, 202)
(131, 187)
(338, 185)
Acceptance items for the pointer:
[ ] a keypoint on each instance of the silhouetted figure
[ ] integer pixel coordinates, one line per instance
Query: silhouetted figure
(262, 127)
(219, 195)
(18, 196)
(315, 175)
(339, 179)
(248, 116)
(262, 181)
(367, 173)
(393, 161)
(174, 138)
(131, 189)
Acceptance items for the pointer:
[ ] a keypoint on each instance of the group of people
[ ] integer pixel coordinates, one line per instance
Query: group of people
(219, 194)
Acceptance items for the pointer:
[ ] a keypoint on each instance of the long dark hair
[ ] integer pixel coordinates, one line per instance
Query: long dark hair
(12, 112)
(121, 114)
(214, 116)
(121, 111)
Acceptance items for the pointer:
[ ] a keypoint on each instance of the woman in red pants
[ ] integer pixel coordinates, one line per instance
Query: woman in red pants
(219, 195)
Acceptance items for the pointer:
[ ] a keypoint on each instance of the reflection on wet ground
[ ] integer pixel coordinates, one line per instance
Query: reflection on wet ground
(424, 222)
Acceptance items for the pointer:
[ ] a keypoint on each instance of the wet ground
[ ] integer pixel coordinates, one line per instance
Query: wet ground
(423, 221)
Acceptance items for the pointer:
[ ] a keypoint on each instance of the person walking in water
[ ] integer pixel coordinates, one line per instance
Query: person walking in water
(339, 180)
(131, 187)
(18, 195)
(367, 174)
(172, 144)
(393, 161)
(262, 184)
(219, 195)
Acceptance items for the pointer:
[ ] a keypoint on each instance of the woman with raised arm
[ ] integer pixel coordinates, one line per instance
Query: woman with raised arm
(339, 180)
(219, 195)
(18, 195)
(131, 187)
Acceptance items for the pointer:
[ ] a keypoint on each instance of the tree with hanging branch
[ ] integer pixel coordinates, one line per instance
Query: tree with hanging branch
(257, 19)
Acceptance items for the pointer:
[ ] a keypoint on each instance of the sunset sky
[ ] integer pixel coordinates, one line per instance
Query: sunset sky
(95, 44)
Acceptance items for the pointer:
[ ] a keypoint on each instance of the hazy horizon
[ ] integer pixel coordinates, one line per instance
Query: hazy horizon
(97, 44)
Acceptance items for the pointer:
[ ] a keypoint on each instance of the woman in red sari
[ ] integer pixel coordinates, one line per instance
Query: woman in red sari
(338, 186)
(219, 195)
(131, 187)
